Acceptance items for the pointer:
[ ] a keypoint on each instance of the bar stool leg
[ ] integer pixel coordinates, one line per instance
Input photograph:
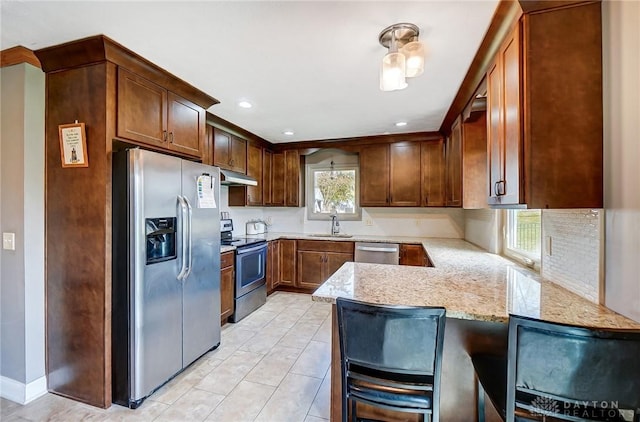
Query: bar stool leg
(480, 400)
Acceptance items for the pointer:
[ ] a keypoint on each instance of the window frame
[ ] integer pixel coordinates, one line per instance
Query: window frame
(519, 255)
(310, 197)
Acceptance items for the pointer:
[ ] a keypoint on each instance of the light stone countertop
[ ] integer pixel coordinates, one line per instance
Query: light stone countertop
(227, 248)
(471, 284)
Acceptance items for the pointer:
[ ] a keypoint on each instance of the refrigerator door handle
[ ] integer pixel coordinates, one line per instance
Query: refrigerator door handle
(190, 217)
(183, 223)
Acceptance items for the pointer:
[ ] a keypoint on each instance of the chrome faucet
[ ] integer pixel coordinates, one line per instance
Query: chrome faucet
(335, 224)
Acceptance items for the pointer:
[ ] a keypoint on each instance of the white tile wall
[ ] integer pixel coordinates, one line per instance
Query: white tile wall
(574, 257)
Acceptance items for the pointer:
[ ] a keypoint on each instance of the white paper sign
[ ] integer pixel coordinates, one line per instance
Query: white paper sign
(206, 196)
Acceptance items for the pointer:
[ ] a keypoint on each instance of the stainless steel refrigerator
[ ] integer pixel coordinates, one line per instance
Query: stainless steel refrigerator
(166, 269)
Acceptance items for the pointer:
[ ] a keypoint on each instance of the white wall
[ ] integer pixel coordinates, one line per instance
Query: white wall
(22, 330)
(621, 59)
(481, 228)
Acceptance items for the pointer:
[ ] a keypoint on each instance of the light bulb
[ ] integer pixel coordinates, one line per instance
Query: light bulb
(414, 53)
(392, 72)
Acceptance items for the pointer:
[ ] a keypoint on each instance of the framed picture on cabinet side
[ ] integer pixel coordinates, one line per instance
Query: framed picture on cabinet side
(73, 145)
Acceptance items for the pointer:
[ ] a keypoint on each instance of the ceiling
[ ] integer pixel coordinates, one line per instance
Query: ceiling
(311, 67)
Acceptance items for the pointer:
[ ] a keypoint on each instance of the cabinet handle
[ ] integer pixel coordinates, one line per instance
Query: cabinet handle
(171, 137)
(164, 135)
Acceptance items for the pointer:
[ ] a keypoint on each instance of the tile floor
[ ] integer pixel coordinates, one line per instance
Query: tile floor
(272, 366)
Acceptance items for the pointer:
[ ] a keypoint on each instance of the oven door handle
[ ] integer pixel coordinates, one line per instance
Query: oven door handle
(190, 237)
(182, 212)
(241, 251)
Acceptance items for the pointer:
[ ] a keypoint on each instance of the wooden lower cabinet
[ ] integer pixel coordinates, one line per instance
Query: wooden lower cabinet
(273, 265)
(227, 276)
(287, 263)
(414, 255)
(318, 260)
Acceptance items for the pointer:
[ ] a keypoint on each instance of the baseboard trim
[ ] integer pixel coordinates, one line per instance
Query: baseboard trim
(18, 392)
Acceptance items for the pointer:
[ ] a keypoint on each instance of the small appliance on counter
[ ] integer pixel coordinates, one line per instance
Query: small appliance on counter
(250, 290)
(256, 227)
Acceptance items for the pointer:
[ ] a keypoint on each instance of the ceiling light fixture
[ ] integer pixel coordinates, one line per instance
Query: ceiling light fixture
(288, 132)
(405, 58)
(400, 124)
(245, 104)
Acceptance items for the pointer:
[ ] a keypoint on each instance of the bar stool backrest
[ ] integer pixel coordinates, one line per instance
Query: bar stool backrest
(392, 339)
(571, 369)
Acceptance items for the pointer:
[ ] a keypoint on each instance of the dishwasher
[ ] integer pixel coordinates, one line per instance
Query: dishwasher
(377, 253)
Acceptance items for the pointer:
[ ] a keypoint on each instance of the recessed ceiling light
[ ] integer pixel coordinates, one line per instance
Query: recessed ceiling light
(399, 124)
(288, 132)
(245, 104)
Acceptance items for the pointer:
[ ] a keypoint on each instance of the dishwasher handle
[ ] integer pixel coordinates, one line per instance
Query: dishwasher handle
(376, 249)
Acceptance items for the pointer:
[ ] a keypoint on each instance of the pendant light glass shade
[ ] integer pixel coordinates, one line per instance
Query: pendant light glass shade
(392, 72)
(414, 54)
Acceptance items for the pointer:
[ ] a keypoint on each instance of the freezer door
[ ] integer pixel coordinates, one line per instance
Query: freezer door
(156, 294)
(201, 290)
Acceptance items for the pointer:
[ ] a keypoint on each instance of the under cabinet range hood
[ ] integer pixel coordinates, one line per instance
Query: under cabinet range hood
(233, 178)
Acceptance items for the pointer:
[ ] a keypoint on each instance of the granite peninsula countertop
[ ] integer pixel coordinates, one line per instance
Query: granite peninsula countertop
(471, 284)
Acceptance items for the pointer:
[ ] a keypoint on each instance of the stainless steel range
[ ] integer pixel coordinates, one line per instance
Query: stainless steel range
(250, 268)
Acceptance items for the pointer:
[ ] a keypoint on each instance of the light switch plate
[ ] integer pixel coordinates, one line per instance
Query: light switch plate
(547, 245)
(9, 241)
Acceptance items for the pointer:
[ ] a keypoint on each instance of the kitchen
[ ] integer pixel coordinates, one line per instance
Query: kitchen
(619, 220)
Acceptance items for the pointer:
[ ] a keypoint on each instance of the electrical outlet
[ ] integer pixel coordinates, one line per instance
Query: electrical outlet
(9, 241)
(417, 222)
(269, 220)
(368, 222)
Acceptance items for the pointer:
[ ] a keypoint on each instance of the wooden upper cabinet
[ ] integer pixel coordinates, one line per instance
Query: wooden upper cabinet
(474, 161)
(503, 129)
(229, 152)
(277, 179)
(186, 125)
(544, 98)
(404, 174)
(374, 176)
(293, 185)
(266, 177)
(254, 169)
(433, 173)
(142, 110)
(152, 115)
(454, 166)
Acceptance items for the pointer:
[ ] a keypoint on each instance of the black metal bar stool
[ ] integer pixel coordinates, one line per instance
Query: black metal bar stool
(562, 372)
(391, 357)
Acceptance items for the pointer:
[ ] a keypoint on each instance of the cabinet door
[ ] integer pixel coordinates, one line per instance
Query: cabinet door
(374, 176)
(226, 292)
(293, 196)
(412, 255)
(474, 163)
(404, 174)
(287, 262)
(311, 269)
(433, 173)
(142, 110)
(221, 149)
(254, 169)
(238, 155)
(277, 179)
(207, 149)
(512, 126)
(454, 165)
(266, 177)
(186, 125)
(273, 265)
(334, 261)
(504, 125)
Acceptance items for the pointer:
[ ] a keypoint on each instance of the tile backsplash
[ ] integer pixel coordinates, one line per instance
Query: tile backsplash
(572, 250)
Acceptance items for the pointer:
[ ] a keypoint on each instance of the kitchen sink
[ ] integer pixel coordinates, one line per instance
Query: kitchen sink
(343, 235)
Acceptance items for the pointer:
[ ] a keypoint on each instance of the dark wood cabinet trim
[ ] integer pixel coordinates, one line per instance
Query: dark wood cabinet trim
(17, 55)
(100, 48)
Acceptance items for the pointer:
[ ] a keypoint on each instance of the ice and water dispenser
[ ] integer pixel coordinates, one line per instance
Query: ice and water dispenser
(161, 239)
